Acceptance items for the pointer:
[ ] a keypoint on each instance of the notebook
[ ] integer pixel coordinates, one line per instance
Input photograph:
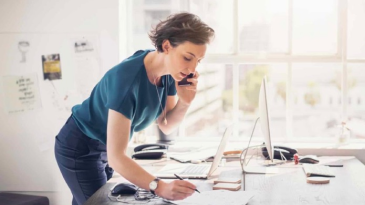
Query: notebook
(227, 186)
(218, 197)
(196, 171)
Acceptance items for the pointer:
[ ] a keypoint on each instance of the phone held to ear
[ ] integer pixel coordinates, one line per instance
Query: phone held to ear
(150, 151)
(286, 151)
(184, 81)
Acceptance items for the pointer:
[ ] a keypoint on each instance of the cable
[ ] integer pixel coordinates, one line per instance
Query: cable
(248, 145)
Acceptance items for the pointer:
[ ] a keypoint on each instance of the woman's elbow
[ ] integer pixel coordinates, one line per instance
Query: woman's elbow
(114, 160)
(166, 130)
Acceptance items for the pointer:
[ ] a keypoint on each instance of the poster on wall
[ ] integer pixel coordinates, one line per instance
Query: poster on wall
(83, 46)
(51, 67)
(86, 64)
(21, 93)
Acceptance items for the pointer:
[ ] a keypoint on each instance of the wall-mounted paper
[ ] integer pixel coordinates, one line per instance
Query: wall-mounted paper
(87, 69)
(23, 47)
(21, 93)
(83, 45)
(51, 67)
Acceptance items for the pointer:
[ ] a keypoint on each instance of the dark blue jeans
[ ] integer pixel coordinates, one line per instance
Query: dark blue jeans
(82, 161)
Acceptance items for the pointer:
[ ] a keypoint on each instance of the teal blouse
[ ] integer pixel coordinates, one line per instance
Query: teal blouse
(126, 89)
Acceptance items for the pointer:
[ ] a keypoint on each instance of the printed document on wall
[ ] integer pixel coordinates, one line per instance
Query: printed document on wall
(21, 93)
(87, 73)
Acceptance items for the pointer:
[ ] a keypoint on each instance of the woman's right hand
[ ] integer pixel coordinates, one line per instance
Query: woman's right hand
(175, 190)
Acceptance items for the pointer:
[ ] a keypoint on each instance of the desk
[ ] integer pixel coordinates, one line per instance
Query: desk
(287, 187)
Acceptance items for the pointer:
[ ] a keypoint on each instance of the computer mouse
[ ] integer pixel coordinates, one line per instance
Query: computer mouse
(309, 159)
(123, 188)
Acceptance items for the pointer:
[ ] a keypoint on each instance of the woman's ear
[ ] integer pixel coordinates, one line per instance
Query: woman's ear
(166, 46)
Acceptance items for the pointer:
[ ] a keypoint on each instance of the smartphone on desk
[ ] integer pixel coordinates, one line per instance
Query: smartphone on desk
(184, 81)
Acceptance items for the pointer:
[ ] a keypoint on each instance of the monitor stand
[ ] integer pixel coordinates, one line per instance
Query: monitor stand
(261, 166)
(264, 166)
(269, 163)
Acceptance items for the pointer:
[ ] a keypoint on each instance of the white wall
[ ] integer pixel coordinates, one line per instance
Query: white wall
(66, 16)
(58, 18)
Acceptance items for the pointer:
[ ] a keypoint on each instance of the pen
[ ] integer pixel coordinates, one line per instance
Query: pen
(183, 179)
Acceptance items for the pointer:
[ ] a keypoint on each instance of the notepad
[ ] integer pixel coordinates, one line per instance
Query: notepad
(227, 186)
(227, 180)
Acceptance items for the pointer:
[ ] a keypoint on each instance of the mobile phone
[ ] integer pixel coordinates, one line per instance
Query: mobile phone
(184, 81)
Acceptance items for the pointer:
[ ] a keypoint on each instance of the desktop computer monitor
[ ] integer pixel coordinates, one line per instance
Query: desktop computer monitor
(265, 118)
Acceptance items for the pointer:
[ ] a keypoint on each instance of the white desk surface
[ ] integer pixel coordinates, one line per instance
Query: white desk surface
(289, 186)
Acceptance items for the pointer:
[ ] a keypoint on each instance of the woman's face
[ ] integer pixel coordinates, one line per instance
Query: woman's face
(183, 59)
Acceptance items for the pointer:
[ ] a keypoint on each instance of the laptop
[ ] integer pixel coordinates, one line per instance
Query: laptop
(202, 154)
(196, 171)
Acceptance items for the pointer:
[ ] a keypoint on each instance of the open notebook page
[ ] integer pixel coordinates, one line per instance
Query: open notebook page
(217, 197)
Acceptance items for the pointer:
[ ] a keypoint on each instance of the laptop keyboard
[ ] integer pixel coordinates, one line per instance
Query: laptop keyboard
(195, 170)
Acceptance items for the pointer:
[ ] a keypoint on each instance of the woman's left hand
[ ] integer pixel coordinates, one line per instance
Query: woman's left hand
(187, 93)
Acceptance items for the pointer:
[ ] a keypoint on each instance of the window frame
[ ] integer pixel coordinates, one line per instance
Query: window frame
(235, 58)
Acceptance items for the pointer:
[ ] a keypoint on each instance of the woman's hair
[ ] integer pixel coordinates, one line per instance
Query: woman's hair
(181, 27)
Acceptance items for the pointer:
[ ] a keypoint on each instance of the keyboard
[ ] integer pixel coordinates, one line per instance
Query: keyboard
(317, 170)
(195, 170)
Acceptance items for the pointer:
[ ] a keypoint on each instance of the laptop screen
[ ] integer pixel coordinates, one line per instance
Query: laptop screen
(220, 151)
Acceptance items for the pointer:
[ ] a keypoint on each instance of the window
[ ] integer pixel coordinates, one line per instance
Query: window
(306, 49)
(356, 31)
(145, 15)
(250, 79)
(221, 22)
(314, 117)
(356, 87)
(263, 26)
(211, 110)
(315, 27)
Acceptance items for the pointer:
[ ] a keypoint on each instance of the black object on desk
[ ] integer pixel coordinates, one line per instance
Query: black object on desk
(288, 152)
(309, 159)
(123, 188)
(149, 151)
(148, 155)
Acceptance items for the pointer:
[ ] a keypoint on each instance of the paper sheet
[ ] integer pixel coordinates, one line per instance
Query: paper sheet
(217, 197)
(87, 65)
(21, 93)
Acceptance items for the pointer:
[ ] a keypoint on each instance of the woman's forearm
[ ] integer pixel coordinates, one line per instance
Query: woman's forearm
(174, 117)
(131, 171)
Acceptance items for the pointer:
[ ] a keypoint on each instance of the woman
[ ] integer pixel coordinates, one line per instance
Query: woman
(130, 96)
